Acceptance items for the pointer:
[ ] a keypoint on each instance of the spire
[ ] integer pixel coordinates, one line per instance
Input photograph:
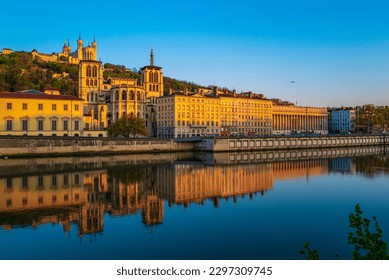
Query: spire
(152, 58)
(94, 38)
(68, 42)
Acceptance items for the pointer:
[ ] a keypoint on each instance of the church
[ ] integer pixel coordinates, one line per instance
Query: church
(105, 101)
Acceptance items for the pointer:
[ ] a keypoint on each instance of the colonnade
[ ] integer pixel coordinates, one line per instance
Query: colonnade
(299, 122)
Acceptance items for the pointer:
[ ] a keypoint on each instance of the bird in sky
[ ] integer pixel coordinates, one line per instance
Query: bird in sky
(292, 82)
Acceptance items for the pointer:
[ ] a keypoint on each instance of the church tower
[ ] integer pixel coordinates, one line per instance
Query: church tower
(152, 79)
(79, 48)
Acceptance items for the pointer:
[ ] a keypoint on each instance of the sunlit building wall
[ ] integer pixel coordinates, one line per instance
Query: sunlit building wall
(290, 119)
(36, 113)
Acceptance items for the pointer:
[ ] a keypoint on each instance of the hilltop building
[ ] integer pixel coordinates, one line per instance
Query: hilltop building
(6, 51)
(81, 53)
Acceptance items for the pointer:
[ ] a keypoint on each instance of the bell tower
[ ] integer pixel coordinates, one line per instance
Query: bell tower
(152, 78)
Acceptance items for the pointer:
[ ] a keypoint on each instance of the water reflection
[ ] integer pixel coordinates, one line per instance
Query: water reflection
(80, 191)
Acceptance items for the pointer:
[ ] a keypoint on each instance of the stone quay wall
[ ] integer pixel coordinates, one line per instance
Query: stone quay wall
(12, 146)
(280, 143)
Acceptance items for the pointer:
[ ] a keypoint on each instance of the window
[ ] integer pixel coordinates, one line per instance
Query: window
(40, 182)
(40, 125)
(65, 107)
(54, 198)
(54, 107)
(24, 182)
(9, 106)
(66, 197)
(66, 180)
(76, 107)
(54, 180)
(24, 125)
(53, 125)
(9, 125)
(24, 201)
(76, 125)
(40, 106)
(40, 200)
(24, 106)
(9, 202)
(65, 125)
(9, 183)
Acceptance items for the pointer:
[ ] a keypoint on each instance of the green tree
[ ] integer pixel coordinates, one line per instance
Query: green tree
(126, 126)
(368, 245)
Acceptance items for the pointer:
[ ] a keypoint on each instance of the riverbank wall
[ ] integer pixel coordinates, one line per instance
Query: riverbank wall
(28, 146)
(287, 143)
(56, 146)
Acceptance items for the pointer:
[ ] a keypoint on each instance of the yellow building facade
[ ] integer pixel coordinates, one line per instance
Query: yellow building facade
(37, 113)
(204, 114)
(290, 119)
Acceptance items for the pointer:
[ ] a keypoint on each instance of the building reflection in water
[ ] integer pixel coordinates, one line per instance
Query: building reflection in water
(82, 198)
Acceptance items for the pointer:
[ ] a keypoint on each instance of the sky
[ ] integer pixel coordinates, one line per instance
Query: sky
(335, 52)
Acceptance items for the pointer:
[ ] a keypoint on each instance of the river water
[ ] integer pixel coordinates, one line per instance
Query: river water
(190, 206)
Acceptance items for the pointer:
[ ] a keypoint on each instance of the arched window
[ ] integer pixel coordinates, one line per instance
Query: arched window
(117, 96)
(124, 95)
(150, 77)
(88, 71)
(94, 71)
(132, 95)
(138, 96)
(156, 77)
(156, 87)
(87, 97)
(91, 97)
(95, 83)
(151, 88)
(87, 82)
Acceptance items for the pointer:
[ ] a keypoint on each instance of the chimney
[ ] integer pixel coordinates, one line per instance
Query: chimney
(234, 92)
(215, 91)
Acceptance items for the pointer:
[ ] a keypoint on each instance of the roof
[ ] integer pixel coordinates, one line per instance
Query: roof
(151, 66)
(35, 94)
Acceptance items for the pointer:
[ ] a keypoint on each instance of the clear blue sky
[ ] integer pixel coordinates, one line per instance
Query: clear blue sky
(337, 52)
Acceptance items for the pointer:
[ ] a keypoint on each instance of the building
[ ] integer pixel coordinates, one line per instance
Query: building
(33, 112)
(342, 120)
(289, 119)
(81, 53)
(6, 51)
(182, 114)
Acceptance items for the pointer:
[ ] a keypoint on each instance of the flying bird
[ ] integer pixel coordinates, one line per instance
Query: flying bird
(292, 82)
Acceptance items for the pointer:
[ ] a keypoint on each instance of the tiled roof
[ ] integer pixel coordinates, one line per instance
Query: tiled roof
(34, 94)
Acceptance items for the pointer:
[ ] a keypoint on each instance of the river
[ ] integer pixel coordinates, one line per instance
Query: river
(190, 206)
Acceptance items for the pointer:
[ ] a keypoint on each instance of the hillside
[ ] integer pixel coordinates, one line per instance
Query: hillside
(18, 71)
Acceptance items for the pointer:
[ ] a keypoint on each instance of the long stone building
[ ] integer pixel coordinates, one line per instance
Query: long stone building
(291, 119)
